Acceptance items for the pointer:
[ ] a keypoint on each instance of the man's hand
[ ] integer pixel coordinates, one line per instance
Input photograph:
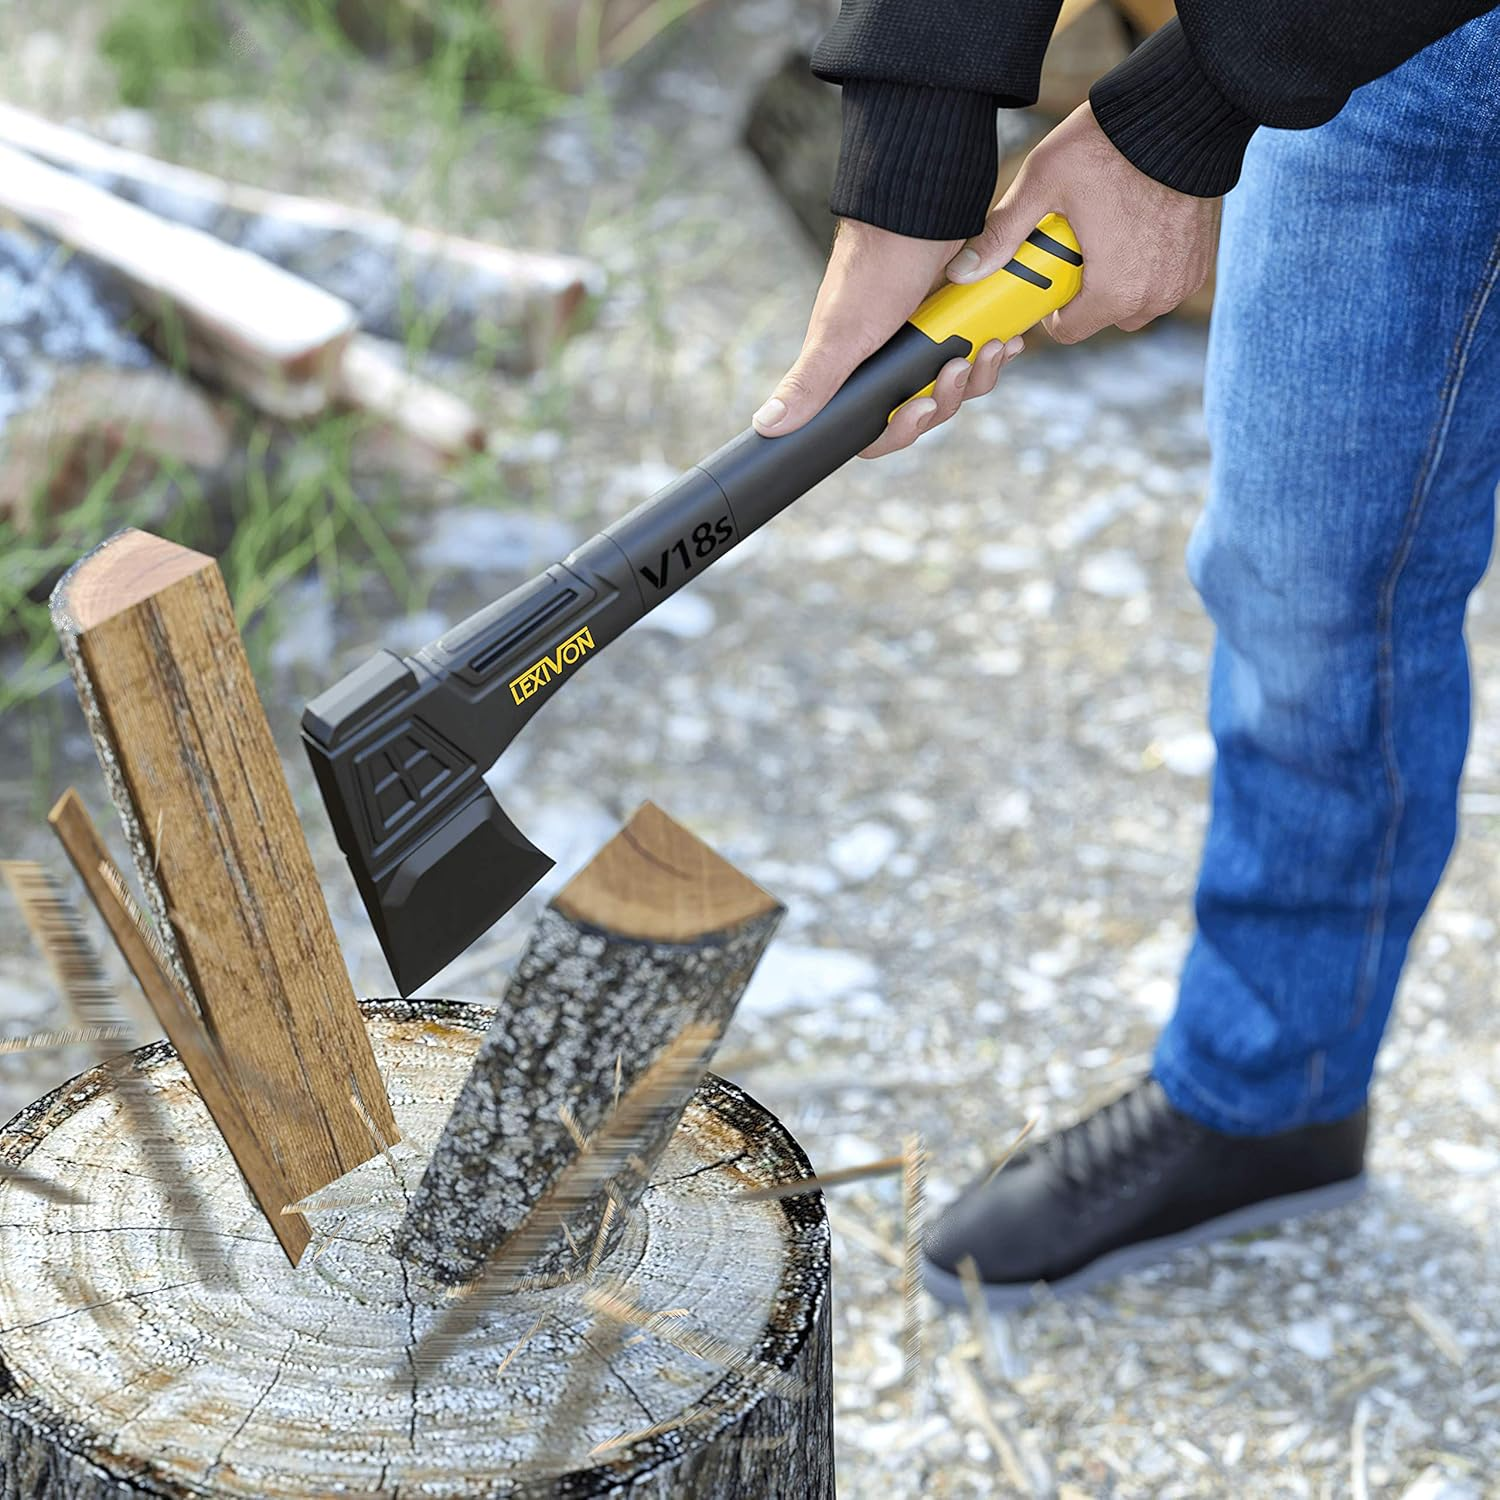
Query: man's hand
(874, 282)
(1145, 248)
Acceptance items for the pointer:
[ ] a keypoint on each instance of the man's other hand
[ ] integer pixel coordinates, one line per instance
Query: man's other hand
(1145, 248)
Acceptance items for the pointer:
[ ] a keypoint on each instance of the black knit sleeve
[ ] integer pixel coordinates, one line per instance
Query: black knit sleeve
(1183, 106)
(922, 81)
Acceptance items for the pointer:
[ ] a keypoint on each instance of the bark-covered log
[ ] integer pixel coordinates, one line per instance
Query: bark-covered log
(466, 295)
(235, 317)
(656, 934)
(124, 1371)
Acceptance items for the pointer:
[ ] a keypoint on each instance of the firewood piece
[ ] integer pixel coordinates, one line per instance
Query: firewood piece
(469, 295)
(190, 764)
(80, 838)
(373, 378)
(51, 453)
(655, 935)
(272, 336)
(126, 1374)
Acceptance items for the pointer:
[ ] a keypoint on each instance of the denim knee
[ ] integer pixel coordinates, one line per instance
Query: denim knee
(1298, 625)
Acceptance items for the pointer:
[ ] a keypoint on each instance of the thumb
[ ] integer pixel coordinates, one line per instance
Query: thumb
(829, 356)
(1017, 213)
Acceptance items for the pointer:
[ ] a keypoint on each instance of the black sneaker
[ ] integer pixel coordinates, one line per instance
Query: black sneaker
(1126, 1186)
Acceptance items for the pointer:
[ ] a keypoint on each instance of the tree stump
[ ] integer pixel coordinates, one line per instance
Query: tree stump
(123, 1371)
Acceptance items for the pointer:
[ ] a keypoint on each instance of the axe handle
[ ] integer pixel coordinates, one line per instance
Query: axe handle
(400, 745)
(531, 638)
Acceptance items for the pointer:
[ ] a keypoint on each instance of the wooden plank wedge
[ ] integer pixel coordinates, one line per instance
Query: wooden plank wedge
(80, 839)
(190, 764)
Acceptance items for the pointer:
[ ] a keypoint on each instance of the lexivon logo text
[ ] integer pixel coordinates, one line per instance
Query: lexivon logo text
(570, 653)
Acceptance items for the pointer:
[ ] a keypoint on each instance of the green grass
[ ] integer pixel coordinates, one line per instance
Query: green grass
(151, 42)
(295, 510)
(295, 507)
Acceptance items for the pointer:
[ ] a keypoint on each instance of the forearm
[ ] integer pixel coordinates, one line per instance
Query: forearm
(922, 81)
(1185, 104)
(923, 78)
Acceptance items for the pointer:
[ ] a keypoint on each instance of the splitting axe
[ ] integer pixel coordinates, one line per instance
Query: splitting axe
(400, 746)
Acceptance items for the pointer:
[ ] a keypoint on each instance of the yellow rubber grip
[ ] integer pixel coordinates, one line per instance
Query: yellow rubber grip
(1045, 273)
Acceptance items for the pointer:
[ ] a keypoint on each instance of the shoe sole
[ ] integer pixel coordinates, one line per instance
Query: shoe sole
(948, 1287)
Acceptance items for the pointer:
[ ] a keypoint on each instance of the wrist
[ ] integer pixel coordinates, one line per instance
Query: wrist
(1168, 118)
(917, 161)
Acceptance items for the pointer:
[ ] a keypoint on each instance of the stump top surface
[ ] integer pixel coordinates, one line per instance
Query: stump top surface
(161, 1335)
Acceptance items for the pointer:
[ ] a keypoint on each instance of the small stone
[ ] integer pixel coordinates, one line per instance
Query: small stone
(1008, 811)
(1433, 1484)
(1003, 557)
(688, 731)
(888, 547)
(912, 809)
(861, 853)
(1220, 1360)
(689, 617)
(472, 540)
(1113, 575)
(789, 977)
(1465, 1159)
(1037, 597)
(1312, 1337)
(1188, 754)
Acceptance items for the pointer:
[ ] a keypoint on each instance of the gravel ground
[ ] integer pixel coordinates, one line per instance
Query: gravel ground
(949, 709)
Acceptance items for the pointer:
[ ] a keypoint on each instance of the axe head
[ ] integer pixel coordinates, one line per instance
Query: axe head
(437, 861)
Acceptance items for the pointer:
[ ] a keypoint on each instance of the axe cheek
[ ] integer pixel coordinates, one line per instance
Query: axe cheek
(451, 888)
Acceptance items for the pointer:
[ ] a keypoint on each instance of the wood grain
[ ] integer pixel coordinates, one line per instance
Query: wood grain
(127, 1369)
(658, 882)
(190, 763)
(78, 835)
(657, 937)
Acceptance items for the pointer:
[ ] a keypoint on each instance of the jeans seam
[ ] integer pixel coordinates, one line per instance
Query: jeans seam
(1458, 359)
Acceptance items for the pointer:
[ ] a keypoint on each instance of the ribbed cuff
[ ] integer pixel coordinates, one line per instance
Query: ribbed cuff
(1166, 117)
(916, 160)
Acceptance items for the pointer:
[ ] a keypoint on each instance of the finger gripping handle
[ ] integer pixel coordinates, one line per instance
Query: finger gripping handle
(1044, 274)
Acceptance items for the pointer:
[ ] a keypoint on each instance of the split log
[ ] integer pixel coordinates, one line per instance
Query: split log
(656, 934)
(234, 317)
(124, 1373)
(51, 453)
(414, 415)
(101, 878)
(190, 764)
(470, 296)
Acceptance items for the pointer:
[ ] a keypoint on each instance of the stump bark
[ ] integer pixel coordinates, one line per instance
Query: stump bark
(125, 1371)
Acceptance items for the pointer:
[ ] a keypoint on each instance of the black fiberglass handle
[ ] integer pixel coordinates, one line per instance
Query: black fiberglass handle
(752, 478)
(621, 574)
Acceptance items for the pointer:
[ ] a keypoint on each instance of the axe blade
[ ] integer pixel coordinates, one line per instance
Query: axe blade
(436, 859)
(452, 888)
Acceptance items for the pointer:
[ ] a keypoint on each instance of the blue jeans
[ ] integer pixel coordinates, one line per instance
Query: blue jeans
(1353, 406)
